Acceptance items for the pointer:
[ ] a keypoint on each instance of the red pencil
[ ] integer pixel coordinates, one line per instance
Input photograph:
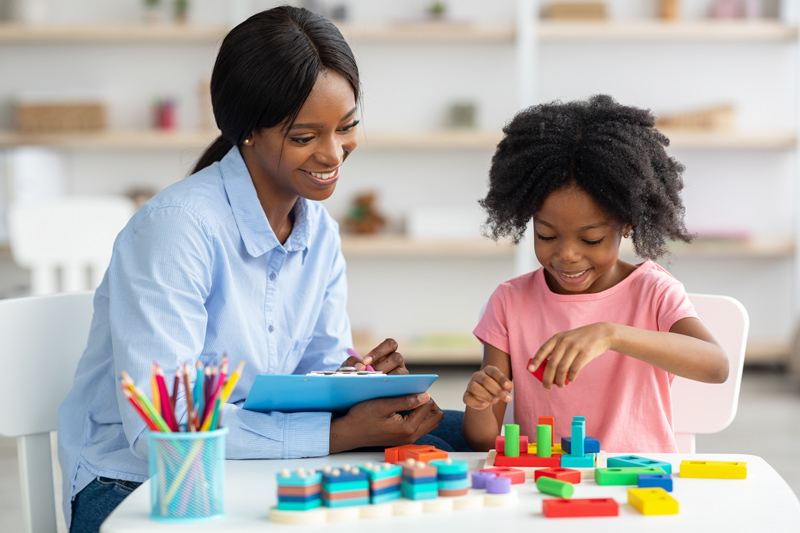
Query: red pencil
(166, 409)
(135, 403)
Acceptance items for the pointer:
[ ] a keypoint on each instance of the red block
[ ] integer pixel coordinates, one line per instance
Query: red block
(528, 460)
(500, 444)
(550, 421)
(539, 373)
(398, 453)
(562, 474)
(516, 476)
(561, 508)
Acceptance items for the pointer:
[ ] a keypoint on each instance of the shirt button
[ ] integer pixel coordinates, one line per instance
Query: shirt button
(272, 276)
(271, 329)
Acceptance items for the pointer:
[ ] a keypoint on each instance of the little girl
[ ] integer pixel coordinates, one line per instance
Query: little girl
(611, 334)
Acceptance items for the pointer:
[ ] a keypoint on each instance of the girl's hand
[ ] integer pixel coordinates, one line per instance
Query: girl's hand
(487, 386)
(384, 358)
(569, 351)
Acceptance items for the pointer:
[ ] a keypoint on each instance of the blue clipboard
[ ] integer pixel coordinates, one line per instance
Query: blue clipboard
(302, 393)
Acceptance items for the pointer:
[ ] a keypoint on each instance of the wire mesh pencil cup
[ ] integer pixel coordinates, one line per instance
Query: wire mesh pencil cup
(187, 472)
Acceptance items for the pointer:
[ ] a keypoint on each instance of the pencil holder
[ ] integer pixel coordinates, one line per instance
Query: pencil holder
(187, 475)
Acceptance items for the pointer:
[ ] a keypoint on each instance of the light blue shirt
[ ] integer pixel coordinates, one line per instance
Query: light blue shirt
(198, 272)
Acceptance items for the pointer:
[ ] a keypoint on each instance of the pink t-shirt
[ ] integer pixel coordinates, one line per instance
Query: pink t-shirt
(627, 403)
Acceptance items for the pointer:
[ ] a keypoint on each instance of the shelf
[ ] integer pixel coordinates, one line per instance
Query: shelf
(654, 30)
(423, 140)
(454, 355)
(426, 32)
(130, 33)
(402, 246)
(719, 249)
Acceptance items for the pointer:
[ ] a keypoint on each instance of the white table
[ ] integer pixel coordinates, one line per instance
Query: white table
(762, 502)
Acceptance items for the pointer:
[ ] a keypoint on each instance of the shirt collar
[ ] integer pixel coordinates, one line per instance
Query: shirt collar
(253, 225)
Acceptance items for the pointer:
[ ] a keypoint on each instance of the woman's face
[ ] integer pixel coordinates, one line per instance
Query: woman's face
(305, 159)
(577, 243)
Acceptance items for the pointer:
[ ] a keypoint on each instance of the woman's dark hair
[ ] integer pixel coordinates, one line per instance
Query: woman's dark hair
(611, 151)
(265, 70)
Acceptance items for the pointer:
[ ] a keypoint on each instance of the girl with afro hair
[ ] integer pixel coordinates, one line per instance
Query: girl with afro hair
(608, 334)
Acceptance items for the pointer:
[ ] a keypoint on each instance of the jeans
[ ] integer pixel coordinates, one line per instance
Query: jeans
(95, 502)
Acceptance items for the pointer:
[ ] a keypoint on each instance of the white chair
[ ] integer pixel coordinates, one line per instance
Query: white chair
(72, 235)
(705, 407)
(41, 340)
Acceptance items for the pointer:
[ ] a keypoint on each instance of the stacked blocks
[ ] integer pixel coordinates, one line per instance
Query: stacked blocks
(344, 487)
(635, 460)
(577, 456)
(452, 477)
(590, 444)
(384, 482)
(549, 421)
(500, 444)
(520, 450)
(299, 490)
(419, 480)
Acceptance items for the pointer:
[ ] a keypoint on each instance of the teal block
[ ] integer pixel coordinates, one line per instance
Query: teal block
(424, 491)
(377, 472)
(578, 434)
(635, 460)
(383, 498)
(574, 461)
(453, 485)
(450, 466)
(296, 480)
(345, 486)
(300, 506)
(351, 502)
(623, 475)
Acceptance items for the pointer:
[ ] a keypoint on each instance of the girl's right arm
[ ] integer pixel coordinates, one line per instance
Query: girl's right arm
(491, 386)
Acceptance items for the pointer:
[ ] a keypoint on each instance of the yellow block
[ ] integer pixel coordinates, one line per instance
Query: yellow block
(714, 469)
(554, 449)
(652, 501)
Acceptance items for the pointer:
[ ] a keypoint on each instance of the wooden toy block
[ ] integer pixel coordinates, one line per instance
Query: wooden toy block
(555, 449)
(511, 445)
(449, 466)
(292, 490)
(397, 454)
(562, 474)
(479, 479)
(413, 469)
(379, 471)
(652, 501)
(527, 460)
(539, 372)
(544, 434)
(586, 472)
(515, 475)
(425, 454)
(554, 487)
(498, 485)
(421, 491)
(562, 508)
(299, 477)
(377, 499)
(352, 502)
(576, 446)
(300, 506)
(550, 421)
(453, 485)
(524, 445)
(343, 475)
(590, 444)
(714, 469)
(345, 495)
(623, 476)
(575, 461)
(451, 477)
(635, 460)
(452, 493)
(345, 486)
(656, 480)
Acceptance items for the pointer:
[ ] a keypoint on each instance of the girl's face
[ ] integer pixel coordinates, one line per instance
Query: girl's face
(304, 159)
(577, 243)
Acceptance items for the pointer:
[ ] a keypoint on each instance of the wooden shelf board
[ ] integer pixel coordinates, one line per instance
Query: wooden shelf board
(116, 139)
(707, 249)
(432, 355)
(402, 246)
(757, 352)
(427, 32)
(654, 30)
(729, 140)
(141, 33)
(433, 140)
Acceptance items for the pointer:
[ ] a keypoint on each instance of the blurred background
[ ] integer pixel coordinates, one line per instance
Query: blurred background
(103, 104)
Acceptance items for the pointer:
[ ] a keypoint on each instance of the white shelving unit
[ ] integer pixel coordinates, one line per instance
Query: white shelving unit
(427, 292)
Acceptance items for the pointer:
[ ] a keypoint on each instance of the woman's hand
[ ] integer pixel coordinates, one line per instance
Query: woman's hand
(569, 351)
(384, 358)
(487, 386)
(379, 422)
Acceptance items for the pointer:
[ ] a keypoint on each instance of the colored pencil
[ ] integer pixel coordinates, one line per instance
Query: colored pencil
(223, 373)
(211, 418)
(154, 388)
(148, 407)
(166, 410)
(139, 409)
(198, 392)
(175, 383)
(190, 424)
(231, 383)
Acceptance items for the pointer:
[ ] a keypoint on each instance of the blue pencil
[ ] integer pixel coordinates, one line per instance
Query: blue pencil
(198, 389)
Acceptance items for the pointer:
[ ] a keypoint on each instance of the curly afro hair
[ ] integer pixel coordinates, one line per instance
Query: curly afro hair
(611, 151)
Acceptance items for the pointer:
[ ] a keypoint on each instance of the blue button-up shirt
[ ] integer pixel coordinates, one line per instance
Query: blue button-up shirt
(196, 273)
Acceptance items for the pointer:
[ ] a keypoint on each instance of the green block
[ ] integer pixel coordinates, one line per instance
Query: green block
(556, 487)
(512, 441)
(544, 436)
(622, 475)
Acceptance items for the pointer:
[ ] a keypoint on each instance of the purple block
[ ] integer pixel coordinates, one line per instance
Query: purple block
(479, 479)
(498, 485)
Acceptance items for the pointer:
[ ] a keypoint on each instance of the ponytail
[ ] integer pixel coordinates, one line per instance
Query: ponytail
(215, 152)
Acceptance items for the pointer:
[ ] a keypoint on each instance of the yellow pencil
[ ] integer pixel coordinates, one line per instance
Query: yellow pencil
(231, 383)
(154, 388)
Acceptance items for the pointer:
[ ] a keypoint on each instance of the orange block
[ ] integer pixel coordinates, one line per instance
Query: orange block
(550, 421)
(397, 454)
(426, 455)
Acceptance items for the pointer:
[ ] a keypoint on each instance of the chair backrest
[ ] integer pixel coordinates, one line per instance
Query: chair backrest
(72, 235)
(41, 340)
(705, 407)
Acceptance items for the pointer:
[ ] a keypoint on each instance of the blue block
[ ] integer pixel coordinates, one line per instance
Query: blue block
(384, 490)
(337, 475)
(418, 480)
(383, 498)
(451, 477)
(299, 499)
(590, 445)
(635, 460)
(656, 480)
(298, 479)
(574, 461)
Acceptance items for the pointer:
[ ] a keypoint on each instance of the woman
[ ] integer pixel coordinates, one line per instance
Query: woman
(238, 258)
